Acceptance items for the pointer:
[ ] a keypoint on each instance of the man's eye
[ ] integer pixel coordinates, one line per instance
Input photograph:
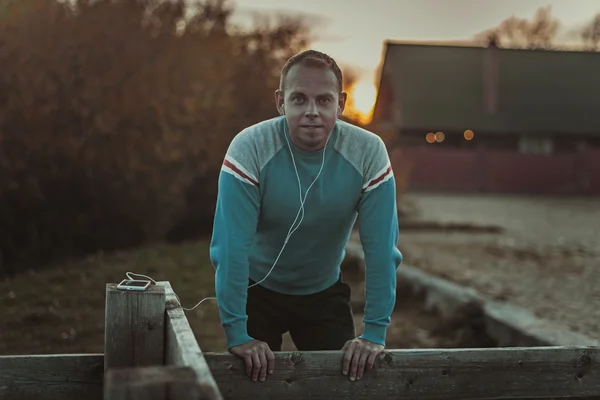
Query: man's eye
(297, 99)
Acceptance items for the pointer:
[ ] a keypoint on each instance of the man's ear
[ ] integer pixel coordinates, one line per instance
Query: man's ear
(279, 101)
(342, 103)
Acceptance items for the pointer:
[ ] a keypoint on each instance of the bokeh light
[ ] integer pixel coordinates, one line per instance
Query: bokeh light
(430, 137)
(469, 134)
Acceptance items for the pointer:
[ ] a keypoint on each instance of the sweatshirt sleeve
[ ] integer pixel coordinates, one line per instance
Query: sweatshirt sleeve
(236, 216)
(378, 230)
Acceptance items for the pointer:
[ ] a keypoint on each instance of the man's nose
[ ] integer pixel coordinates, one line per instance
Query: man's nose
(312, 110)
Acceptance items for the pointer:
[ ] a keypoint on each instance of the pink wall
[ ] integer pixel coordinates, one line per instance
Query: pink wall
(499, 171)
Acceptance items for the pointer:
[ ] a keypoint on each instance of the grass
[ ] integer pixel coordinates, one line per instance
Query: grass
(60, 309)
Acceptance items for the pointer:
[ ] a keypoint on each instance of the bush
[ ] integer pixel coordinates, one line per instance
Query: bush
(115, 116)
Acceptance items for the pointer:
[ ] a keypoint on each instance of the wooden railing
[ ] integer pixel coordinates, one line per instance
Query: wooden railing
(151, 353)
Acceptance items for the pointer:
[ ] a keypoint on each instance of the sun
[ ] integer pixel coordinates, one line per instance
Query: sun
(363, 95)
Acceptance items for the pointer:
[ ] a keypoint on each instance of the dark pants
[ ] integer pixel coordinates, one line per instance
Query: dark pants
(319, 321)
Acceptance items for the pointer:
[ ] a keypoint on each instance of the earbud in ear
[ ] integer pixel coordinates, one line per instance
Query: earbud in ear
(283, 109)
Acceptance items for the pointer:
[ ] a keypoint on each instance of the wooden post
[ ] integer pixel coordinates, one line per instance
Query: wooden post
(182, 348)
(151, 383)
(134, 327)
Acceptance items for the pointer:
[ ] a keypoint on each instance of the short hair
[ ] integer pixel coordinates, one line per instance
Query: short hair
(312, 58)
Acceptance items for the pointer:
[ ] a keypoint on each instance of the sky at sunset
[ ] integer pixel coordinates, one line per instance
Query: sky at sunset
(353, 31)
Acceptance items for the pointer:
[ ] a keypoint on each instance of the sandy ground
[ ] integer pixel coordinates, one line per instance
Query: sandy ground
(547, 258)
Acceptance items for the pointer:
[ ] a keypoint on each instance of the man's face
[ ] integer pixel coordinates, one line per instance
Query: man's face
(312, 102)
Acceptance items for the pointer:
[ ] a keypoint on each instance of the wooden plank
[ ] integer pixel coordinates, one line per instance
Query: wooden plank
(151, 383)
(134, 327)
(50, 377)
(427, 374)
(182, 349)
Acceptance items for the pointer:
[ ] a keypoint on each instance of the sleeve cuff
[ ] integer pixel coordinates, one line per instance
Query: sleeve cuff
(374, 333)
(236, 334)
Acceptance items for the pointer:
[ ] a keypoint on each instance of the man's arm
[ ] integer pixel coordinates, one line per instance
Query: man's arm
(378, 230)
(236, 216)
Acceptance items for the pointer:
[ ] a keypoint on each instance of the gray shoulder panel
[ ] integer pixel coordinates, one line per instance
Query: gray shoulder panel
(252, 149)
(366, 152)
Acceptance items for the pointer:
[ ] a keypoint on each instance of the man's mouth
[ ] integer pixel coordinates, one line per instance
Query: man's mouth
(311, 126)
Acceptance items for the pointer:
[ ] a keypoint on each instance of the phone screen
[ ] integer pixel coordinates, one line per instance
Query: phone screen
(135, 283)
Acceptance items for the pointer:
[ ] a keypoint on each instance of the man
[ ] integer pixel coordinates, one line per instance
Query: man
(277, 249)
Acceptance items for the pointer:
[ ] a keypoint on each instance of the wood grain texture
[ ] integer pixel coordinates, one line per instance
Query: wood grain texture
(449, 374)
(151, 383)
(134, 327)
(182, 349)
(51, 377)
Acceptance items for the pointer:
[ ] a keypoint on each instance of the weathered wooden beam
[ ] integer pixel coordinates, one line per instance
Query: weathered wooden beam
(182, 349)
(49, 377)
(428, 374)
(134, 327)
(151, 383)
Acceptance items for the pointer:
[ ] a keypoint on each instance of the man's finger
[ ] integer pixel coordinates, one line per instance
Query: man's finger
(358, 350)
(346, 345)
(248, 360)
(371, 361)
(362, 361)
(270, 361)
(263, 364)
(347, 359)
(256, 365)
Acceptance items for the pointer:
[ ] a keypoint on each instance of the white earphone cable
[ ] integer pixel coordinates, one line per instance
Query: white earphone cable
(290, 231)
(301, 210)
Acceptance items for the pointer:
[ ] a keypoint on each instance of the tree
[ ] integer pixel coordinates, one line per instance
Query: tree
(115, 116)
(537, 33)
(590, 34)
(350, 78)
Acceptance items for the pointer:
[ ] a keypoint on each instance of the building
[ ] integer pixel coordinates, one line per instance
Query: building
(478, 113)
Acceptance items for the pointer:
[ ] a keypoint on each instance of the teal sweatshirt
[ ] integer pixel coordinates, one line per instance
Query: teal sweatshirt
(259, 199)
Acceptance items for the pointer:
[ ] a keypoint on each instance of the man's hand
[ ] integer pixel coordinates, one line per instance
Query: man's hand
(359, 353)
(258, 357)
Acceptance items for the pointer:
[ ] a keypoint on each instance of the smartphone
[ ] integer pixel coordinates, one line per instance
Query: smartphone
(131, 284)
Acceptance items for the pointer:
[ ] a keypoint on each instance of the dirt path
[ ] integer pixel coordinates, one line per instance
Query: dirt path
(411, 326)
(572, 223)
(547, 259)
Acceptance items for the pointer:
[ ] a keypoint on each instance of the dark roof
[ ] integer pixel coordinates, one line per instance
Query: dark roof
(437, 87)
